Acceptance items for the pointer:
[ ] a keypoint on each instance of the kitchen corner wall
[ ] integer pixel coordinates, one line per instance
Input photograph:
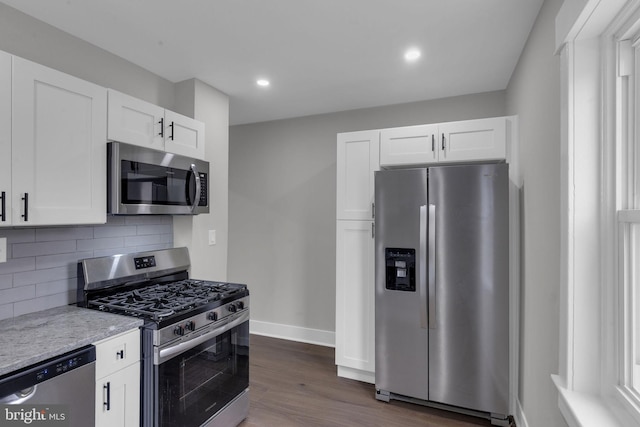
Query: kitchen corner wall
(41, 267)
(534, 95)
(282, 207)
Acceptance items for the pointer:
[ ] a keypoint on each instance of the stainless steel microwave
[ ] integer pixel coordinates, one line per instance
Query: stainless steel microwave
(143, 181)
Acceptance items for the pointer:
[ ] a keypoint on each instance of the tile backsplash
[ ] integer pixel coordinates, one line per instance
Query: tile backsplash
(41, 267)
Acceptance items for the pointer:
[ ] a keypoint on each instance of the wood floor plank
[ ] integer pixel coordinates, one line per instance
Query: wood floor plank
(295, 384)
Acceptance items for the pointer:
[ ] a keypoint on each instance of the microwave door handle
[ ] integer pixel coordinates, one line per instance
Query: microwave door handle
(196, 198)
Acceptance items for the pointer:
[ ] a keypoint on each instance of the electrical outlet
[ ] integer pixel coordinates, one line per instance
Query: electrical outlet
(212, 237)
(3, 249)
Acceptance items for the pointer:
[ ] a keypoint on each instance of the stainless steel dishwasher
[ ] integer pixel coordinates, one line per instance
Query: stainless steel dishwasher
(57, 391)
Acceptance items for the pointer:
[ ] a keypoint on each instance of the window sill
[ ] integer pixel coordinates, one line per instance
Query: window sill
(589, 410)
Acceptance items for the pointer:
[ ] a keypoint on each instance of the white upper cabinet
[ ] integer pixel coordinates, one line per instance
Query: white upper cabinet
(134, 121)
(410, 145)
(454, 142)
(471, 140)
(58, 147)
(358, 157)
(5, 139)
(138, 122)
(183, 135)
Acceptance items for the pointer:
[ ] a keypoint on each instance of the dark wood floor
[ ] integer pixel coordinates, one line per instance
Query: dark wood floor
(295, 384)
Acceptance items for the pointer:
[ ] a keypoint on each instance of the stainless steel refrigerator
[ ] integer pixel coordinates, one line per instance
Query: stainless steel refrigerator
(442, 287)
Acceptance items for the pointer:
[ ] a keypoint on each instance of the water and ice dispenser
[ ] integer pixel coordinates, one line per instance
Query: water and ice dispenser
(400, 269)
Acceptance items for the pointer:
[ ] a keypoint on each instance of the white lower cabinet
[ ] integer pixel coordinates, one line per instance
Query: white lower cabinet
(355, 292)
(118, 398)
(118, 380)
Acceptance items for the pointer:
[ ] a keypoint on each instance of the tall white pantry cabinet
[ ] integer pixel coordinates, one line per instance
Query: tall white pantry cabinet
(359, 155)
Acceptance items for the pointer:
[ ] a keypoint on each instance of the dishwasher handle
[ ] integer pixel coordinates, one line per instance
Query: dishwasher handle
(19, 397)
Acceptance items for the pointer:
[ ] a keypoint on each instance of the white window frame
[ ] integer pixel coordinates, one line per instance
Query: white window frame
(594, 307)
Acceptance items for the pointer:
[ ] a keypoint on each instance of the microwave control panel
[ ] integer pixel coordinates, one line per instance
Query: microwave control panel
(203, 189)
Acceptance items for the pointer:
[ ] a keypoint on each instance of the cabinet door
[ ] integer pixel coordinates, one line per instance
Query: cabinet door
(114, 353)
(358, 157)
(134, 121)
(471, 140)
(410, 145)
(58, 141)
(118, 398)
(355, 289)
(183, 135)
(5, 139)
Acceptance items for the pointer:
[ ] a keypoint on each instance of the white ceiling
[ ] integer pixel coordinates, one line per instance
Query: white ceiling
(320, 55)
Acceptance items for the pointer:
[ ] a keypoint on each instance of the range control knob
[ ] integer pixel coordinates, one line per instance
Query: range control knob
(212, 316)
(190, 325)
(232, 308)
(240, 305)
(178, 330)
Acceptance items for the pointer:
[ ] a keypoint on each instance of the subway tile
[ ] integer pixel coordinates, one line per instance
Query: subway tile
(104, 243)
(6, 281)
(115, 231)
(17, 294)
(56, 287)
(142, 240)
(167, 238)
(153, 229)
(113, 251)
(43, 248)
(43, 303)
(113, 220)
(63, 233)
(16, 265)
(18, 235)
(42, 276)
(144, 219)
(6, 311)
(51, 261)
(145, 248)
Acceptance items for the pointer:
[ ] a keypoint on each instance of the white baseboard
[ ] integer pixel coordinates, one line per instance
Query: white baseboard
(293, 333)
(521, 420)
(356, 374)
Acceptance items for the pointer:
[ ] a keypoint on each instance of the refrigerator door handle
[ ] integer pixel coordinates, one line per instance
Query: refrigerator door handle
(422, 267)
(432, 266)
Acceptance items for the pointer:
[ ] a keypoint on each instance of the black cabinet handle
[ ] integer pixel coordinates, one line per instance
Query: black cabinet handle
(433, 143)
(443, 142)
(26, 207)
(3, 213)
(120, 354)
(107, 404)
(171, 126)
(161, 127)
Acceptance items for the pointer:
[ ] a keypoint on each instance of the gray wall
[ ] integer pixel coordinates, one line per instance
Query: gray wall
(534, 95)
(282, 203)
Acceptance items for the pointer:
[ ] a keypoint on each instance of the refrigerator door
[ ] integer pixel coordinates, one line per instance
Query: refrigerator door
(468, 332)
(400, 301)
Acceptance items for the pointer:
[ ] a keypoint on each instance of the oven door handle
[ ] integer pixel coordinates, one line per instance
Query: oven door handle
(168, 353)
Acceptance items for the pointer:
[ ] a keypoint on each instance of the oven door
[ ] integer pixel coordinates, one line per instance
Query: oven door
(198, 378)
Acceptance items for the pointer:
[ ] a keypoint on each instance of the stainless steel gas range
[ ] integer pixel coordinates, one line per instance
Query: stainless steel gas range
(195, 340)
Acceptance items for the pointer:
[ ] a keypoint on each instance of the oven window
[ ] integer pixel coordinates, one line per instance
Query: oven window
(144, 183)
(195, 385)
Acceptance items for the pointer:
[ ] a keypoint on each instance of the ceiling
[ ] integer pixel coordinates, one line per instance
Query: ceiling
(319, 55)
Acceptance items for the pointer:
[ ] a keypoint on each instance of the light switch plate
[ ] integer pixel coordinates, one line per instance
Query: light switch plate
(3, 249)
(212, 237)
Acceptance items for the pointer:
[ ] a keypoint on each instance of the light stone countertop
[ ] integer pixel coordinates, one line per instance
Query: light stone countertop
(34, 337)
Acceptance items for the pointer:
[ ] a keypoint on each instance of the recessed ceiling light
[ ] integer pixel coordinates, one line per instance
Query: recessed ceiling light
(263, 82)
(412, 55)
